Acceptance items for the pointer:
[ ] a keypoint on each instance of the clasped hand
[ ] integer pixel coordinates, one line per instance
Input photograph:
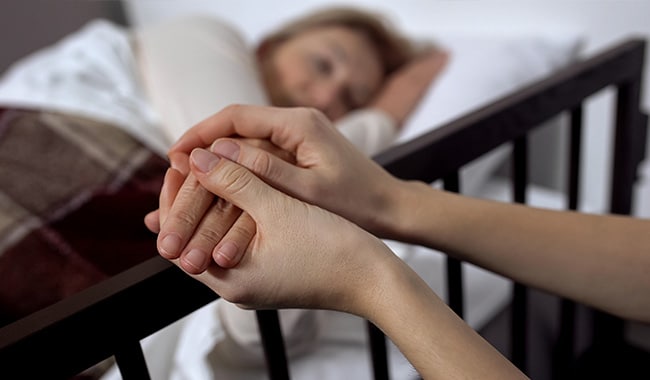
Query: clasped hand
(281, 250)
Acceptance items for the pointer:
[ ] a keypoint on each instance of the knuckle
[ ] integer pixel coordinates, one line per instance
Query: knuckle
(215, 225)
(236, 180)
(224, 209)
(261, 164)
(242, 230)
(234, 111)
(183, 219)
(209, 235)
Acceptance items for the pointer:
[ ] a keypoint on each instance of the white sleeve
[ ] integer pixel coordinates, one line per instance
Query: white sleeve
(370, 130)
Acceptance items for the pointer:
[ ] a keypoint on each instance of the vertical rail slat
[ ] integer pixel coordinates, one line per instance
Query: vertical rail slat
(273, 344)
(575, 141)
(519, 337)
(378, 352)
(627, 145)
(131, 362)
(454, 266)
(608, 329)
(564, 354)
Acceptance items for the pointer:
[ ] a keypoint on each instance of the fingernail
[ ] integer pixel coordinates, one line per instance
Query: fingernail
(195, 258)
(170, 245)
(226, 254)
(226, 148)
(204, 160)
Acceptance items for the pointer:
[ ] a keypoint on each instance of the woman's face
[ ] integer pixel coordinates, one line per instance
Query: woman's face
(332, 68)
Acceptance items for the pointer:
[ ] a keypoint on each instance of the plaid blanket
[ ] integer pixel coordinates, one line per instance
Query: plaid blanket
(73, 194)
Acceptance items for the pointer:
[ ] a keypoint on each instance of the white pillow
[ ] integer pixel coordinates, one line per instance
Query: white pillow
(483, 69)
(194, 66)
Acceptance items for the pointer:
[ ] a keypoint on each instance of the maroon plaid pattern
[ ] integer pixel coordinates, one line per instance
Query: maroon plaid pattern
(73, 194)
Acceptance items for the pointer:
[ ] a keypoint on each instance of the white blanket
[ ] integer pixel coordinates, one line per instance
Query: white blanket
(90, 73)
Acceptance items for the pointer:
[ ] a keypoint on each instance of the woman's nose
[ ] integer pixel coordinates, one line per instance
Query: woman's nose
(324, 94)
(327, 98)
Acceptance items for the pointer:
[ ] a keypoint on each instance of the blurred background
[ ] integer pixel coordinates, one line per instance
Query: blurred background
(26, 25)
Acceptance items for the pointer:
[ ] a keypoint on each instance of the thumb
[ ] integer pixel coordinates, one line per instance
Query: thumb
(275, 167)
(232, 182)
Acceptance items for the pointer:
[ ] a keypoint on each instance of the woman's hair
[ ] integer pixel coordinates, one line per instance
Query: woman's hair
(394, 49)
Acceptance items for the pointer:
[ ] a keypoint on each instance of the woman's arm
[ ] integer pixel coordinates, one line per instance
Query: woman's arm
(405, 88)
(603, 261)
(435, 340)
(600, 260)
(292, 263)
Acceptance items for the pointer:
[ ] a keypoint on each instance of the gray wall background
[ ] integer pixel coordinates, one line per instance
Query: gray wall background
(27, 25)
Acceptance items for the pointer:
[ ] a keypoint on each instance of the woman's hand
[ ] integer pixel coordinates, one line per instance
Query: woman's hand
(292, 260)
(302, 256)
(328, 170)
(200, 220)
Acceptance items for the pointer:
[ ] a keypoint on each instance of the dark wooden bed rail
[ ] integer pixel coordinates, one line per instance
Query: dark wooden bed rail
(441, 153)
(112, 317)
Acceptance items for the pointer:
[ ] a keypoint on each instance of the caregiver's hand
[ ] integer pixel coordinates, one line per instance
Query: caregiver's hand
(290, 261)
(303, 256)
(192, 207)
(200, 220)
(328, 171)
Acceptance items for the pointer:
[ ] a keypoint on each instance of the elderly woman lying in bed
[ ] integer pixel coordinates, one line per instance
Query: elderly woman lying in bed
(360, 73)
(348, 63)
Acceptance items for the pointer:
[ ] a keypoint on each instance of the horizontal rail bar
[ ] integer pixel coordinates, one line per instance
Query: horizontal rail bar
(458, 142)
(129, 306)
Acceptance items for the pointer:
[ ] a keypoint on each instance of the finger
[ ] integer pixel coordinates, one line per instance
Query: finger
(187, 210)
(272, 169)
(232, 182)
(268, 146)
(230, 250)
(180, 159)
(214, 225)
(276, 124)
(171, 184)
(152, 221)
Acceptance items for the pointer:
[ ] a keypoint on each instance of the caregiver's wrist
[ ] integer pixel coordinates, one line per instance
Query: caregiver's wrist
(389, 293)
(378, 286)
(403, 210)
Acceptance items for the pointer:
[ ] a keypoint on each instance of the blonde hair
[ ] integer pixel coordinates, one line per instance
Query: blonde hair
(394, 49)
